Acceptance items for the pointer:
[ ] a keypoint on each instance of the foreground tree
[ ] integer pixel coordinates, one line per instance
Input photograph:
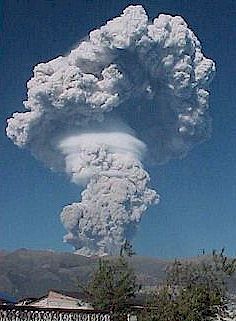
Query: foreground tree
(193, 291)
(113, 284)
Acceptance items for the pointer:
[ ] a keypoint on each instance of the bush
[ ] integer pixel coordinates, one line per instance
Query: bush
(113, 285)
(192, 291)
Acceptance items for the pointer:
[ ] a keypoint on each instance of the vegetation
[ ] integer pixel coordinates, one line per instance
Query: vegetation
(113, 284)
(193, 291)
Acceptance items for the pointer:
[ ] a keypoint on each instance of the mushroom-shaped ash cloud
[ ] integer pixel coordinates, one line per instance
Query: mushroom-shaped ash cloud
(133, 90)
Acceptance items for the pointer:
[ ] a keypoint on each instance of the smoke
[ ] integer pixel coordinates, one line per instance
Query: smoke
(116, 194)
(135, 90)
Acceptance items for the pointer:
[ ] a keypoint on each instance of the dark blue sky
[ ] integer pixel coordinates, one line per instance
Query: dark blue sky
(198, 194)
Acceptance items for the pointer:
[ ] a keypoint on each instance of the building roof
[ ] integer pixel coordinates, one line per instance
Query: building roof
(61, 297)
(75, 295)
(7, 298)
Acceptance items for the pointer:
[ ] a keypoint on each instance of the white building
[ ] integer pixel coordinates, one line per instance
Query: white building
(59, 299)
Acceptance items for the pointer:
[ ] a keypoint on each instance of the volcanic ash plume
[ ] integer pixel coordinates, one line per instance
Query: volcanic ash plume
(135, 90)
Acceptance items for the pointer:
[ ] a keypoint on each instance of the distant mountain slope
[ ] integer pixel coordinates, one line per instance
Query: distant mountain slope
(28, 273)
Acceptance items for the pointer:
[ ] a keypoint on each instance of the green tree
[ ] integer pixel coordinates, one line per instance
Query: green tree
(113, 284)
(193, 290)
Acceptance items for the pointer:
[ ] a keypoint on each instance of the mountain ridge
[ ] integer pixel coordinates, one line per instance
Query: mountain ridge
(31, 273)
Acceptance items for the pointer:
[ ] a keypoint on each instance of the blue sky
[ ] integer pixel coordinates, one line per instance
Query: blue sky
(198, 194)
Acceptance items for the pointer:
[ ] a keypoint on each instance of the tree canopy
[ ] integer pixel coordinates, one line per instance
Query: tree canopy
(113, 284)
(193, 290)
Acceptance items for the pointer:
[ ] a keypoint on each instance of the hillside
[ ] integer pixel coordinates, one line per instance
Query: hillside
(28, 273)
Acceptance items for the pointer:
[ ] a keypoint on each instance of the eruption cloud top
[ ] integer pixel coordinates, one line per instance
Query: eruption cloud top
(134, 90)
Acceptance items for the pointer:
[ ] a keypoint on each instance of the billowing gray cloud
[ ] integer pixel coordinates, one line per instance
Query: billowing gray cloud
(133, 89)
